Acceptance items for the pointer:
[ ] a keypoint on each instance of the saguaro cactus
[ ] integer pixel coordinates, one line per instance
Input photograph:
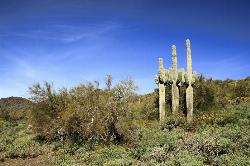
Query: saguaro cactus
(190, 81)
(160, 80)
(175, 89)
(176, 78)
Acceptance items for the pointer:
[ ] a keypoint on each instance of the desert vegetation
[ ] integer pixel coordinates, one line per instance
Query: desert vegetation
(89, 125)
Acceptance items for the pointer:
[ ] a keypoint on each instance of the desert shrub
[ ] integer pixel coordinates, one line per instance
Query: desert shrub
(109, 155)
(84, 113)
(210, 144)
(4, 113)
(129, 130)
(23, 150)
(147, 106)
(173, 121)
(231, 91)
(157, 154)
(207, 118)
(228, 118)
(64, 160)
(67, 153)
(15, 142)
(235, 159)
(188, 158)
(242, 88)
(204, 94)
(153, 141)
(235, 115)
(10, 130)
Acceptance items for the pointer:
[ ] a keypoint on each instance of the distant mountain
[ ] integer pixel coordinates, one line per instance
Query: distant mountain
(14, 107)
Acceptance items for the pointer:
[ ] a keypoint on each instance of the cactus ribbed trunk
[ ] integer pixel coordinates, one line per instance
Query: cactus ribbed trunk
(189, 91)
(175, 89)
(162, 102)
(161, 90)
(175, 98)
(189, 102)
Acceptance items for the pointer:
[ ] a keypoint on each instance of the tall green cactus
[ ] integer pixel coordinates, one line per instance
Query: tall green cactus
(160, 79)
(190, 80)
(175, 89)
(175, 78)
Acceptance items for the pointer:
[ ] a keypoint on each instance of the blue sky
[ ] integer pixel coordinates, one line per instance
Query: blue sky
(75, 41)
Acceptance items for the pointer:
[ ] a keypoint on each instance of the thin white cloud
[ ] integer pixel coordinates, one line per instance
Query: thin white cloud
(65, 33)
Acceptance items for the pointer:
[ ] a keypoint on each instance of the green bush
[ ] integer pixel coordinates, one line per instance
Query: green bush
(19, 144)
(155, 144)
(188, 158)
(235, 159)
(109, 155)
(84, 113)
(173, 121)
(24, 150)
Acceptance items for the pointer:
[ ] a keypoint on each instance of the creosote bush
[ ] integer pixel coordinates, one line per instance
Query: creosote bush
(84, 114)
